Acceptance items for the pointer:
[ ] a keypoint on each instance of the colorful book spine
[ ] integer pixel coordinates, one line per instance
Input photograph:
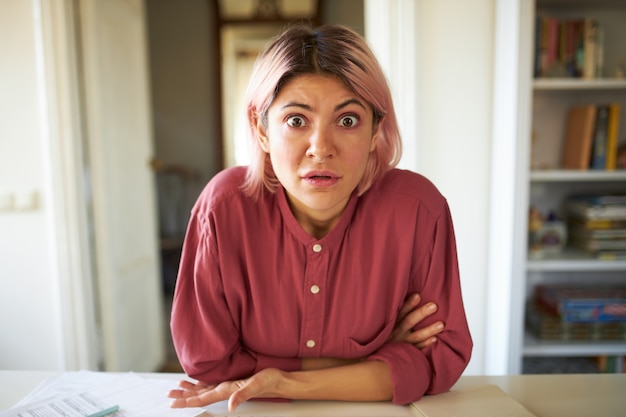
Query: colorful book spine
(590, 47)
(598, 155)
(584, 304)
(612, 135)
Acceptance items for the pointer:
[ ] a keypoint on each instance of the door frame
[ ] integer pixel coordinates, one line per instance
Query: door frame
(63, 135)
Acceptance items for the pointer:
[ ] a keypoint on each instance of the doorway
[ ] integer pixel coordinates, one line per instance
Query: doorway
(194, 138)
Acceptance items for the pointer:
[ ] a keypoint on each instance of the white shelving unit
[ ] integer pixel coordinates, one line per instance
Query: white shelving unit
(545, 187)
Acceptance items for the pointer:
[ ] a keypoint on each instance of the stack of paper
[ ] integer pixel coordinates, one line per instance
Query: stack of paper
(77, 394)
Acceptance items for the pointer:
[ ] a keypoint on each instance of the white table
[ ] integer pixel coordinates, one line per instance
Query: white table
(598, 395)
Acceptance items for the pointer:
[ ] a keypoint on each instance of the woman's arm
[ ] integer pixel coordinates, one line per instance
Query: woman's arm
(406, 330)
(320, 378)
(363, 381)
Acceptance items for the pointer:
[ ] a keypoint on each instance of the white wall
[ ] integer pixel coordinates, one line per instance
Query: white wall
(455, 135)
(439, 58)
(30, 315)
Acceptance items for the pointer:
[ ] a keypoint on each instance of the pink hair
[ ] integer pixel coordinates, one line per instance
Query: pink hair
(330, 50)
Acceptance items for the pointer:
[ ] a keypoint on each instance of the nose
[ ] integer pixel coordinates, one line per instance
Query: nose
(321, 145)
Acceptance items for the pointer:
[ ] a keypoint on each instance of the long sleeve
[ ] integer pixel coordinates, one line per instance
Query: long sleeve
(205, 332)
(435, 369)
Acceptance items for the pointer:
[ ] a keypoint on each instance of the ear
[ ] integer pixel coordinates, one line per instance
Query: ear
(375, 136)
(261, 132)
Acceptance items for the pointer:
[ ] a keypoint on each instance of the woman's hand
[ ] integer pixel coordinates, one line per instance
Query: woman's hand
(411, 315)
(263, 384)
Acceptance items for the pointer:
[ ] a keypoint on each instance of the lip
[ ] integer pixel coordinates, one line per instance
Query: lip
(321, 178)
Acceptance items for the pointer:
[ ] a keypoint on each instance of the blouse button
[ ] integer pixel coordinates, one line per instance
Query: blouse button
(317, 248)
(315, 289)
(310, 343)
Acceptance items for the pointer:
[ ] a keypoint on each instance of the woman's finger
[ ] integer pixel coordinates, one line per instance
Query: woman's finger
(193, 386)
(404, 329)
(424, 336)
(429, 342)
(409, 305)
(201, 398)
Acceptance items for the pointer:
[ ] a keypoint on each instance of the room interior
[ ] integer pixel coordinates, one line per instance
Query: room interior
(464, 94)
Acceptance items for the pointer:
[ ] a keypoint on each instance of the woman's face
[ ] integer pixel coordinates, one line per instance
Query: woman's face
(317, 118)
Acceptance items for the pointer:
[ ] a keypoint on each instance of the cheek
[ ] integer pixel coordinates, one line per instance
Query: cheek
(283, 147)
(285, 155)
(357, 155)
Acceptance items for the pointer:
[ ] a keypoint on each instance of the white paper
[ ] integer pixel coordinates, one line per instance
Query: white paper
(76, 394)
(78, 405)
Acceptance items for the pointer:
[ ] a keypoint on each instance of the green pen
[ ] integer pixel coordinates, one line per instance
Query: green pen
(104, 412)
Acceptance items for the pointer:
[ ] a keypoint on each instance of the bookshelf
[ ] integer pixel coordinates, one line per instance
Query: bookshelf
(545, 186)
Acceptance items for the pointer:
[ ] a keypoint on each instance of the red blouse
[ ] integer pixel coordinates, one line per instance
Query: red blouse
(255, 290)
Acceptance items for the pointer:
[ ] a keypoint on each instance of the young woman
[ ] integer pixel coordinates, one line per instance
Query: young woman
(302, 274)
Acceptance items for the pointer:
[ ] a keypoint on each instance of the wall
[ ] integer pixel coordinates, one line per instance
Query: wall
(455, 135)
(439, 63)
(30, 317)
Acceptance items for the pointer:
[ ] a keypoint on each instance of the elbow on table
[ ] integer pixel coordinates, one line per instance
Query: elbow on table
(445, 377)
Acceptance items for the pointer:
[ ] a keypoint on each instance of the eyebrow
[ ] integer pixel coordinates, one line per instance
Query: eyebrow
(337, 107)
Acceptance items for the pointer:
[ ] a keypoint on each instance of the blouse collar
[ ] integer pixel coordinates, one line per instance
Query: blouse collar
(335, 235)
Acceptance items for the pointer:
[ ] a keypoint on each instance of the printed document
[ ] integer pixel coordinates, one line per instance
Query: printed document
(77, 394)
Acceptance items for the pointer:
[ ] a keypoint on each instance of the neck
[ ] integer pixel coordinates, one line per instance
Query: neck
(318, 229)
(316, 223)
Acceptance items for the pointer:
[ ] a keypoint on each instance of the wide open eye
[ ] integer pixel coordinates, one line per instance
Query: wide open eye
(296, 121)
(348, 121)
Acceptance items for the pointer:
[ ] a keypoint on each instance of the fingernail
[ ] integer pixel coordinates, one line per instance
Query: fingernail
(431, 307)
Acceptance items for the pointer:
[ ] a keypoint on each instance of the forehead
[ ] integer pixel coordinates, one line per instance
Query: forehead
(313, 85)
(312, 88)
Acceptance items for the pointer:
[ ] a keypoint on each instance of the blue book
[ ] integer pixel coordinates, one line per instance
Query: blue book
(598, 152)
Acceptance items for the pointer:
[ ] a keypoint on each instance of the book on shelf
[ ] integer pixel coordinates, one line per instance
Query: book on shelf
(597, 234)
(547, 326)
(590, 303)
(612, 136)
(611, 255)
(597, 207)
(579, 132)
(599, 146)
(596, 224)
(593, 49)
(568, 47)
(594, 245)
(591, 137)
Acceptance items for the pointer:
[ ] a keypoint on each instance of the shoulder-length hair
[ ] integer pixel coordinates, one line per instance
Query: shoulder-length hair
(327, 50)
